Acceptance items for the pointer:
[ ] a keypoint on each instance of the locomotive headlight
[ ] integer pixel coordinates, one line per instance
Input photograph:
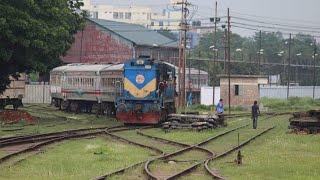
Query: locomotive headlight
(122, 107)
(140, 62)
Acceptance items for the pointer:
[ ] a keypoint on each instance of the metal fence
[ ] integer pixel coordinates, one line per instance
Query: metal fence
(280, 92)
(37, 94)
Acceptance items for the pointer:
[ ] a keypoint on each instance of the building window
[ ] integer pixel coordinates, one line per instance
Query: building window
(115, 15)
(236, 90)
(161, 23)
(128, 15)
(203, 82)
(95, 15)
(120, 15)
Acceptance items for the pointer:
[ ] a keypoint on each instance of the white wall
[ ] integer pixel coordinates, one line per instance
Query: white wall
(206, 95)
(37, 94)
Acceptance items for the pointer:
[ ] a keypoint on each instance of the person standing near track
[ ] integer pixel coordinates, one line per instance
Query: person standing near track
(220, 111)
(255, 112)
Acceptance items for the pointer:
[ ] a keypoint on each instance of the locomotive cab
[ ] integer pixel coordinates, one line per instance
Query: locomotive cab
(148, 92)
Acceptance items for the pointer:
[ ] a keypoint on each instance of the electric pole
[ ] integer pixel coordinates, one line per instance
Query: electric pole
(225, 37)
(314, 67)
(229, 69)
(215, 52)
(260, 39)
(183, 55)
(289, 43)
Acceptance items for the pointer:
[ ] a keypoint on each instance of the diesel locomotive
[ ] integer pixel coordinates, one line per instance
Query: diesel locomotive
(140, 91)
(148, 93)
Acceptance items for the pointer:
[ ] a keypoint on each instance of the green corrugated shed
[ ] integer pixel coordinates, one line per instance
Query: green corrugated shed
(137, 34)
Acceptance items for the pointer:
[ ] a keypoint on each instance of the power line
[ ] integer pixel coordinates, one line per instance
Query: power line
(269, 31)
(275, 18)
(277, 24)
(277, 28)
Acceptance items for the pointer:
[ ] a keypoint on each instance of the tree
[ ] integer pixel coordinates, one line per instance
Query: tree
(167, 33)
(34, 34)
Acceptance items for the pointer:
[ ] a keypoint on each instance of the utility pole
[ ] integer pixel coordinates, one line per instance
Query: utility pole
(183, 45)
(229, 70)
(260, 44)
(189, 75)
(179, 69)
(215, 52)
(314, 67)
(289, 66)
(199, 71)
(225, 50)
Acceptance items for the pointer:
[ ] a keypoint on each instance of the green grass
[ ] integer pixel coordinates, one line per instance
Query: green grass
(48, 122)
(132, 174)
(79, 159)
(291, 104)
(231, 140)
(133, 136)
(276, 155)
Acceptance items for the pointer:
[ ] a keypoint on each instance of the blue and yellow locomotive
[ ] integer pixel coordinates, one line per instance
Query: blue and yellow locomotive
(148, 92)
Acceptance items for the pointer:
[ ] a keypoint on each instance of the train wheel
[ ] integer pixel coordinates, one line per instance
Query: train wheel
(2, 104)
(74, 107)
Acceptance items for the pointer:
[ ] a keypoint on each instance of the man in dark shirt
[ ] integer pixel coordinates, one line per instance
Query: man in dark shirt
(254, 114)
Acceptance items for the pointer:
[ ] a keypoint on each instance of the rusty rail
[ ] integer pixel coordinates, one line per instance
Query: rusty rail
(150, 175)
(216, 176)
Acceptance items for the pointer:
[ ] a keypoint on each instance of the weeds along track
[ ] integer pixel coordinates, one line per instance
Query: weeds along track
(179, 155)
(186, 149)
(207, 161)
(229, 151)
(41, 137)
(113, 134)
(161, 170)
(24, 144)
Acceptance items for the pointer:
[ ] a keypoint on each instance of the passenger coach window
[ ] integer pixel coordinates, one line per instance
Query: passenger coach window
(109, 82)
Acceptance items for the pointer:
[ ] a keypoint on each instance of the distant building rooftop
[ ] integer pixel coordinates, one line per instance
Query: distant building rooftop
(242, 76)
(137, 34)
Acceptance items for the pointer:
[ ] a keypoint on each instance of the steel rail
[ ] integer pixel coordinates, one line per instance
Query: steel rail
(12, 140)
(186, 171)
(53, 140)
(216, 176)
(151, 176)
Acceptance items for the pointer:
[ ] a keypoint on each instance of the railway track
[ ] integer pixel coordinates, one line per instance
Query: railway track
(34, 142)
(41, 140)
(207, 159)
(214, 174)
(185, 148)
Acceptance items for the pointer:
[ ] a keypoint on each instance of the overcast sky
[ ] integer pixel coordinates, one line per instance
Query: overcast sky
(299, 12)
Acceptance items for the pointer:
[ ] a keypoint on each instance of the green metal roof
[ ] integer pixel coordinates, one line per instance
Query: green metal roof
(137, 34)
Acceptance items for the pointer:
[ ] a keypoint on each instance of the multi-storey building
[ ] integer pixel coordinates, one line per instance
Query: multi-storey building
(143, 15)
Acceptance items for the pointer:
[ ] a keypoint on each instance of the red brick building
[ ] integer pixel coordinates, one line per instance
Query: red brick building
(110, 41)
(244, 89)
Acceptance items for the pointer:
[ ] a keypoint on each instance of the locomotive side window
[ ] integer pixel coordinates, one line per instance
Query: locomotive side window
(53, 80)
(80, 82)
(58, 82)
(69, 82)
(109, 82)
